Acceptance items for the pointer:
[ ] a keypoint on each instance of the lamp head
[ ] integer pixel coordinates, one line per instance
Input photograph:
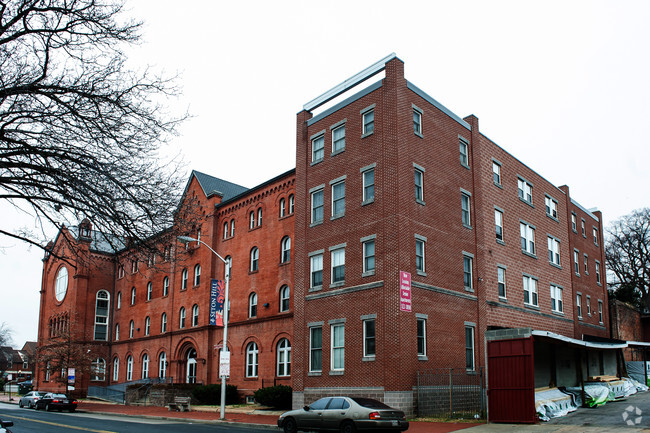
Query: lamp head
(186, 239)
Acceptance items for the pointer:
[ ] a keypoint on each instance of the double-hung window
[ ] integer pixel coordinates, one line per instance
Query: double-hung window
(338, 139)
(595, 232)
(465, 209)
(551, 207)
(553, 251)
(286, 250)
(556, 299)
(496, 173)
(315, 349)
(318, 148)
(255, 258)
(338, 199)
(498, 223)
(368, 116)
(419, 254)
(579, 305)
(464, 151)
(527, 233)
(368, 246)
(501, 281)
(338, 347)
(419, 185)
(316, 271)
(576, 262)
(600, 312)
(574, 223)
(368, 178)
(469, 348)
(184, 279)
(369, 338)
(586, 266)
(525, 191)
(598, 272)
(338, 265)
(530, 291)
(317, 206)
(582, 224)
(467, 272)
(421, 335)
(417, 121)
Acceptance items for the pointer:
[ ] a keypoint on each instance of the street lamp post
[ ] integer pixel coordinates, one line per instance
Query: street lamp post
(186, 239)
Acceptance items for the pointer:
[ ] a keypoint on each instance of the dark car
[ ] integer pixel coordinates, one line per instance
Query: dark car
(4, 425)
(53, 401)
(344, 414)
(29, 400)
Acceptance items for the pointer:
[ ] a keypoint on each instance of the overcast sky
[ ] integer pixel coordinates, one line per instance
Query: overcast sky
(562, 85)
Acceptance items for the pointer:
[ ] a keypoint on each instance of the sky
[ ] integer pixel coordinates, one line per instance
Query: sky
(562, 85)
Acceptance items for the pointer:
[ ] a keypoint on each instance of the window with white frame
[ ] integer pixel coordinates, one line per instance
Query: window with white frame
(101, 315)
(597, 264)
(145, 366)
(225, 230)
(286, 249)
(588, 305)
(232, 228)
(338, 199)
(165, 286)
(252, 354)
(530, 291)
(163, 323)
(496, 173)
(291, 204)
(584, 232)
(149, 290)
(574, 224)
(417, 121)
(283, 207)
(118, 304)
(98, 369)
(422, 336)
(595, 233)
(255, 257)
(316, 270)
(551, 207)
(579, 305)
(197, 275)
(315, 349)
(368, 256)
(147, 325)
(338, 265)
(181, 318)
(469, 348)
(116, 369)
(467, 272)
(501, 281)
(195, 315)
(464, 151)
(527, 233)
(600, 312)
(184, 276)
(338, 139)
(369, 338)
(252, 305)
(368, 122)
(259, 216)
(129, 368)
(318, 148)
(554, 250)
(337, 362)
(251, 218)
(586, 265)
(317, 206)
(162, 365)
(576, 262)
(131, 329)
(117, 332)
(498, 224)
(368, 185)
(284, 298)
(284, 358)
(419, 255)
(419, 185)
(525, 191)
(465, 209)
(132, 295)
(556, 299)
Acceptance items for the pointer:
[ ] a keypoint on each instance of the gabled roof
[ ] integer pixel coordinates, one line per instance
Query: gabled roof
(212, 185)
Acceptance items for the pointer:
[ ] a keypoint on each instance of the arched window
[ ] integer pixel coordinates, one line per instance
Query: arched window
(191, 366)
(163, 323)
(286, 249)
(129, 368)
(165, 286)
(284, 298)
(98, 369)
(284, 358)
(225, 230)
(255, 257)
(184, 279)
(282, 208)
(195, 315)
(116, 369)
(162, 365)
(251, 360)
(232, 227)
(182, 318)
(252, 305)
(117, 332)
(291, 204)
(118, 305)
(149, 291)
(147, 325)
(259, 216)
(101, 315)
(197, 274)
(252, 220)
(131, 329)
(145, 366)
(133, 296)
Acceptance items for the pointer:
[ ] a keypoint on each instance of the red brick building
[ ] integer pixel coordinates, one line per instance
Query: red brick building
(388, 183)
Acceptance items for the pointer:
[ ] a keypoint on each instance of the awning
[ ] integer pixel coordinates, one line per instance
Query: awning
(581, 343)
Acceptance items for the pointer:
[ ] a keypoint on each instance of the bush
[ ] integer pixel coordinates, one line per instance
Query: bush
(211, 394)
(278, 397)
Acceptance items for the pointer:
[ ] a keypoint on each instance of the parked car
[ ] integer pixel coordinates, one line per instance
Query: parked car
(344, 414)
(4, 425)
(53, 401)
(29, 399)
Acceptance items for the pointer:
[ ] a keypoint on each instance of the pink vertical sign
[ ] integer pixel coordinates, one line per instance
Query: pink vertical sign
(404, 291)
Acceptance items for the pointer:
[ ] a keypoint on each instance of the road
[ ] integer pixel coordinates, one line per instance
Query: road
(32, 421)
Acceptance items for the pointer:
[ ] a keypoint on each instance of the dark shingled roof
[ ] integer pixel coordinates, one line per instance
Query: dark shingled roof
(212, 184)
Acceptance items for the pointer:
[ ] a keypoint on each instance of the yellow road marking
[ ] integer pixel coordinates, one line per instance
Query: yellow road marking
(8, 417)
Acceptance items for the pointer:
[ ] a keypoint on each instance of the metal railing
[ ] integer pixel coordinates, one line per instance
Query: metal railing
(449, 392)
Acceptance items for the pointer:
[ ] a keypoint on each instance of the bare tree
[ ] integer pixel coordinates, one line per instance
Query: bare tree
(5, 334)
(80, 132)
(627, 251)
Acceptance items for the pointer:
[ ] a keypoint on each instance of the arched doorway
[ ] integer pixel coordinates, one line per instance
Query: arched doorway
(190, 371)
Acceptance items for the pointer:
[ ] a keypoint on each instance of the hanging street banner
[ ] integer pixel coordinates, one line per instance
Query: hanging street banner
(404, 291)
(217, 296)
(224, 364)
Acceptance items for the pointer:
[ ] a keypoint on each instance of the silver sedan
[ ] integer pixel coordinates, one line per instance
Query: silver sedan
(29, 400)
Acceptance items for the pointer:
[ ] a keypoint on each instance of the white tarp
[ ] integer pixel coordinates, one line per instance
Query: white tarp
(554, 403)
